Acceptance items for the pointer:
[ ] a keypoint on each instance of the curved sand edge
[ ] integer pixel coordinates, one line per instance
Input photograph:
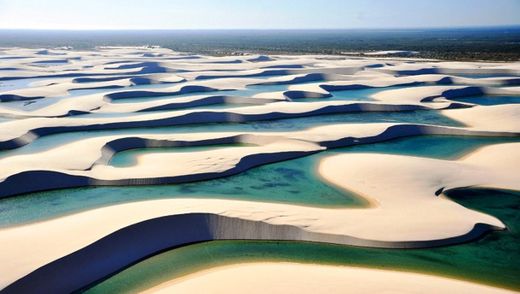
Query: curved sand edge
(118, 250)
(92, 167)
(413, 188)
(282, 277)
(411, 216)
(497, 118)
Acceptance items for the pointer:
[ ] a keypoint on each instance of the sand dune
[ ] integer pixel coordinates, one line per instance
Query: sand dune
(420, 226)
(291, 278)
(64, 114)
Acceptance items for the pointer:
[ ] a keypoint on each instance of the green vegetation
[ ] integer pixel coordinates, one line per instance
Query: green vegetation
(496, 43)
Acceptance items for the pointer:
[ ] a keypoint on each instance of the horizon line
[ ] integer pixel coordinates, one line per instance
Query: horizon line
(261, 29)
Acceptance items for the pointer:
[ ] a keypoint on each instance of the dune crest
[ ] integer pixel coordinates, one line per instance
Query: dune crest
(65, 115)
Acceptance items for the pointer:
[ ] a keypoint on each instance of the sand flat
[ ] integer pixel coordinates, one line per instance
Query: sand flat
(305, 278)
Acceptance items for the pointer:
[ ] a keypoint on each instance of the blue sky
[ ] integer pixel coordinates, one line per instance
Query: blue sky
(255, 14)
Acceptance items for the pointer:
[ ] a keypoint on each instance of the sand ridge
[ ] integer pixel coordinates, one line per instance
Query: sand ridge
(46, 92)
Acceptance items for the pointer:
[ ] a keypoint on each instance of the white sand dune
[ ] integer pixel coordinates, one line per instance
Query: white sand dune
(497, 117)
(304, 278)
(47, 92)
(92, 167)
(404, 211)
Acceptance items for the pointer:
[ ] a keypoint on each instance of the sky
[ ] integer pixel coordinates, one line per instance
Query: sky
(254, 14)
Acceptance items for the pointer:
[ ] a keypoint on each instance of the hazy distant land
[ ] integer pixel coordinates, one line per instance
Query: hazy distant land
(494, 43)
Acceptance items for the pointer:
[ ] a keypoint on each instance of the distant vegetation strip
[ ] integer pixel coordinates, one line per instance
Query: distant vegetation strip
(495, 43)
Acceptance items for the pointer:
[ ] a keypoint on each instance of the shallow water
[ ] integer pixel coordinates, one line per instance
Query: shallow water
(293, 124)
(440, 147)
(293, 181)
(249, 91)
(361, 94)
(489, 100)
(129, 157)
(252, 90)
(491, 260)
(71, 94)
(483, 76)
(10, 85)
(50, 63)
(36, 104)
(4, 119)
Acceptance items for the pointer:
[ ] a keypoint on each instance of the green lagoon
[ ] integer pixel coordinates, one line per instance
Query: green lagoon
(491, 260)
